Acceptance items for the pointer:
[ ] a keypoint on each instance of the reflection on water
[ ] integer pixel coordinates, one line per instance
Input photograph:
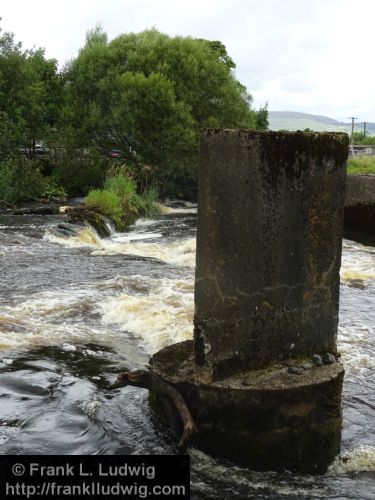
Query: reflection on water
(76, 311)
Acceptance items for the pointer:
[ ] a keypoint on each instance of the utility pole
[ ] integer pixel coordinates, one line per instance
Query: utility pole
(364, 129)
(352, 118)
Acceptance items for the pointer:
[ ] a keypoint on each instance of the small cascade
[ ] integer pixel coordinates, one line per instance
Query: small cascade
(138, 241)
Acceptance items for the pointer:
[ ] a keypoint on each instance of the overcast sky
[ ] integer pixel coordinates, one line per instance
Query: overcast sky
(315, 56)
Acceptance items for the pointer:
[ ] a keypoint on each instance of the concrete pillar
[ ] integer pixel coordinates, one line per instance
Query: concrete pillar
(270, 212)
(266, 295)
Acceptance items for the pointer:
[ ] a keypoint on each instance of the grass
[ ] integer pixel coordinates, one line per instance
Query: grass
(361, 165)
(107, 203)
(120, 201)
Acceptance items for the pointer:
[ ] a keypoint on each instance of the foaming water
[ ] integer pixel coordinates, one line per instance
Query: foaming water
(180, 253)
(356, 339)
(161, 317)
(177, 253)
(75, 311)
(358, 262)
(101, 307)
(361, 459)
(85, 237)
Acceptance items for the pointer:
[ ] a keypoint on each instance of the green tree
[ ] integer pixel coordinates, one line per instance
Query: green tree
(41, 98)
(11, 85)
(148, 95)
(30, 95)
(360, 138)
(262, 122)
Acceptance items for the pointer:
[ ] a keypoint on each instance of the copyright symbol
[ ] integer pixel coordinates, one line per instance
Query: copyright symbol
(18, 470)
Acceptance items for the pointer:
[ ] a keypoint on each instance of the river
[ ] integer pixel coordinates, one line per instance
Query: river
(75, 311)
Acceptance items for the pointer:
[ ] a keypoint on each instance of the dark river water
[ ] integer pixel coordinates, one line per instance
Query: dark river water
(74, 311)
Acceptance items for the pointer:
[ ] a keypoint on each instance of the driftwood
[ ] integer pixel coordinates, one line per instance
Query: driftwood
(150, 380)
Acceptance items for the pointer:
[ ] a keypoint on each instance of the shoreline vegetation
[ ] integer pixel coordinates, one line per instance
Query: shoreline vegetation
(135, 103)
(119, 201)
(119, 124)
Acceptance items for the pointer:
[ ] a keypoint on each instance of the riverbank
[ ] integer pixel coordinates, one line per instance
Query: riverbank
(114, 207)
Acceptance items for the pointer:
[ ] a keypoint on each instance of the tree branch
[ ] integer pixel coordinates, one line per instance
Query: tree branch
(150, 380)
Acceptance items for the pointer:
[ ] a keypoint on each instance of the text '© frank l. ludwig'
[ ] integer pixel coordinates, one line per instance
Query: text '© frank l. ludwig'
(103, 470)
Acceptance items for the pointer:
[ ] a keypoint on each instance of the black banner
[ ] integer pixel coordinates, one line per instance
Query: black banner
(94, 477)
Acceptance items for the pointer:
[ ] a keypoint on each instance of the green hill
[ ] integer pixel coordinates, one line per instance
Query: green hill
(292, 120)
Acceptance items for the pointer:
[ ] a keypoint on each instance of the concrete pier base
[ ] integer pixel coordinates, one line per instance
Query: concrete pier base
(266, 419)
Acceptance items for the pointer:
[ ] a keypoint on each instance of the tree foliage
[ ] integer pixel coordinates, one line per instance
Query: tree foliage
(144, 95)
(262, 122)
(360, 138)
(30, 96)
(147, 95)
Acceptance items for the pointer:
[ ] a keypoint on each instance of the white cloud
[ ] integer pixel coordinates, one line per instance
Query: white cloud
(303, 55)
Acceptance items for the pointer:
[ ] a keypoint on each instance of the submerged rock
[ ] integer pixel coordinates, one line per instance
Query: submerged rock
(83, 216)
(67, 230)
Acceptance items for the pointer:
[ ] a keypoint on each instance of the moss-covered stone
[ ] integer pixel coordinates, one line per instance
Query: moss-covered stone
(90, 217)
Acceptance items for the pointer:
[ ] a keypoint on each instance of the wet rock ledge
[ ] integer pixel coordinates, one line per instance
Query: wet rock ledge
(74, 218)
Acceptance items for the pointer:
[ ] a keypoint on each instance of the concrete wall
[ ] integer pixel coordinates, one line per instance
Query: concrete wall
(360, 203)
(360, 189)
(268, 247)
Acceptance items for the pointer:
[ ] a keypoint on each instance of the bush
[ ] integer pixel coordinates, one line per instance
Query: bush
(120, 201)
(149, 203)
(132, 203)
(20, 180)
(107, 203)
(125, 189)
(78, 173)
(52, 189)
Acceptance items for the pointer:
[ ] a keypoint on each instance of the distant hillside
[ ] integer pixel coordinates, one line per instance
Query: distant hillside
(292, 120)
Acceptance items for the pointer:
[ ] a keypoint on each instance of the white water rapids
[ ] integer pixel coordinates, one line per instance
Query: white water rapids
(83, 299)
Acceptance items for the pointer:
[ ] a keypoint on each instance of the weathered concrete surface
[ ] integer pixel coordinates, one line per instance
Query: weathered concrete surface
(266, 419)
(360, 202)
(268, 248)
(360, 189)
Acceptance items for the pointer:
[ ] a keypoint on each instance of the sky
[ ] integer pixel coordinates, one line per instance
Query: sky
(313, 56)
